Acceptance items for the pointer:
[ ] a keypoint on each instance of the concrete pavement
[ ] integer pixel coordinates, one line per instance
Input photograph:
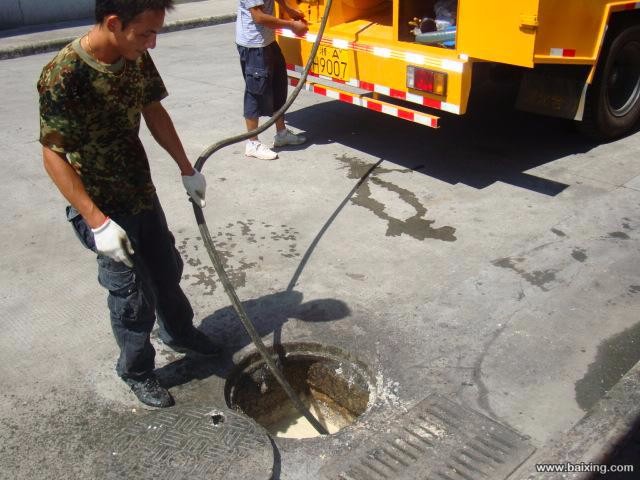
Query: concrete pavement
(46, 38)
(494, 262)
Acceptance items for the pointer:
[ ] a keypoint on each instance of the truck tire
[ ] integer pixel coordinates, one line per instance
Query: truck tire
(612, 106)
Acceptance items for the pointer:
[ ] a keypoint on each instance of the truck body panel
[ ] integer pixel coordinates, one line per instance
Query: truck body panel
(369, 45)
(498, 31)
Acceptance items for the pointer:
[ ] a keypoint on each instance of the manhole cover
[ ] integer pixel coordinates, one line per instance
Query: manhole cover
(436, 440)
(334, 387)
(191, 442)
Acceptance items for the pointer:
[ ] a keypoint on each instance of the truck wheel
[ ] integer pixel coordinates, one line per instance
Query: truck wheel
(613, 101)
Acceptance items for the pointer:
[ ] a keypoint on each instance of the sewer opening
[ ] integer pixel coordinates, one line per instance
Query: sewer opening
(336, 390)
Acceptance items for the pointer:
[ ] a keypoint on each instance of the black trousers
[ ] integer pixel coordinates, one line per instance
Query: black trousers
(139, 295)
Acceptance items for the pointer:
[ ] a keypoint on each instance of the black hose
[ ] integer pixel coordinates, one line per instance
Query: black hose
(213, 254)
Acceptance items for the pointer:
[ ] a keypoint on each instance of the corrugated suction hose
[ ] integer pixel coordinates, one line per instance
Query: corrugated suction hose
(213, 254)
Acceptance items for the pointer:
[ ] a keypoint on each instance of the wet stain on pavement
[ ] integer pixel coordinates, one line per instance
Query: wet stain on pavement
(205, 275)
(359, 168)
(580, 254)
(231, 243)
(615, 357)
(483, 391)
(415, 226)
(538, 278)
(356, 276)
(619, 235)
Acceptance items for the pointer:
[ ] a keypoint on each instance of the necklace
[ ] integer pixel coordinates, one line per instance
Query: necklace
(91, 51)
(93, 54)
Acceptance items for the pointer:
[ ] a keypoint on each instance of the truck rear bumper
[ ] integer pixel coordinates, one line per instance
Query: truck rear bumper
(369, 101)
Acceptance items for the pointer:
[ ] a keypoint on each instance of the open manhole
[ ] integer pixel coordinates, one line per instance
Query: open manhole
(336, 388)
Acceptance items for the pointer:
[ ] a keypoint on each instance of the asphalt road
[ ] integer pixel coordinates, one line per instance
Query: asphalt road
(493, 261)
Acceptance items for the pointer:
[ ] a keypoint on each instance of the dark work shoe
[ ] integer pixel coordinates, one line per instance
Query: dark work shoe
(150, 392)
(196, 343)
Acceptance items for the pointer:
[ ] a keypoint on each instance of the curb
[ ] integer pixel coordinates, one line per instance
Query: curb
(54, 45)
(596, 438)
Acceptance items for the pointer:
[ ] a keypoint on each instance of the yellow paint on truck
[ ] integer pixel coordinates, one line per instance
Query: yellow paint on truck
(581, 57)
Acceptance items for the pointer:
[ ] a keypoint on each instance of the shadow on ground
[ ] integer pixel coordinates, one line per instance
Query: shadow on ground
(615, 357)
(491, 143)
(268, 314)
(625, 453)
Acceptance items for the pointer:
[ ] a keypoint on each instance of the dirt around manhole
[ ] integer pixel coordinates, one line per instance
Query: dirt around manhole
(336, 388)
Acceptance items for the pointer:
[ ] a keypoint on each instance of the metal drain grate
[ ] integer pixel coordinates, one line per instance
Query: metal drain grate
(191, 442)
(436, 440)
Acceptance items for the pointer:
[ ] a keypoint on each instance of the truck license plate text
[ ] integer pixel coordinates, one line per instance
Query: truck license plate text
(331, 62)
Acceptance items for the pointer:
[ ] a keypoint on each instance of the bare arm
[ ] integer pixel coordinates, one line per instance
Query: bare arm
(161, 127)
(294, 13)
(297, 24)
(70, 185)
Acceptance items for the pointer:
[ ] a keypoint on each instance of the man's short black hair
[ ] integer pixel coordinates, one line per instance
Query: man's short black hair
(127, 10)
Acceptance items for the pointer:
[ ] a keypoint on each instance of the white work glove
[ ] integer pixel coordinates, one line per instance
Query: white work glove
(196, 186)
(112, 241)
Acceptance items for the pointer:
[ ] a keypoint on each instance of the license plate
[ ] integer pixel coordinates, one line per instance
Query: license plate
(332, 62)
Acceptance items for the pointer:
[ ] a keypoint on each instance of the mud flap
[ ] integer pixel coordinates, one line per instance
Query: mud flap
(554, 90)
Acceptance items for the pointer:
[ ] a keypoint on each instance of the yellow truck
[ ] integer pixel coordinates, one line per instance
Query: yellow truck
(575, 59)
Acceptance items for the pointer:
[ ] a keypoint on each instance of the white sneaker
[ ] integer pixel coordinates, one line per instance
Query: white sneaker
(287, 137)
(258, 150)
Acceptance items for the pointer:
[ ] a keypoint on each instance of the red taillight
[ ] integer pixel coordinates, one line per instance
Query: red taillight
(427, 80)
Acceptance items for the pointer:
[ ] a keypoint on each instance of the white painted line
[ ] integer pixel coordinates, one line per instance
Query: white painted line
(412, 97)
(338, 43)
(414, 58)
(423, 120)
(383, 90)
(390, 110)
(382, 52)
(452, 66)
(450, 107)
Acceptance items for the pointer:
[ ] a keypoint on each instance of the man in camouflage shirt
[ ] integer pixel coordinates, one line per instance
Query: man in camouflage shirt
(92, 95)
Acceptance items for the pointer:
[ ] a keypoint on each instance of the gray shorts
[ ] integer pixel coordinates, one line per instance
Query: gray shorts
(265, 75)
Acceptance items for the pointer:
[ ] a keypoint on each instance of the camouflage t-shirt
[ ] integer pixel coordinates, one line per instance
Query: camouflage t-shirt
(90, 112)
